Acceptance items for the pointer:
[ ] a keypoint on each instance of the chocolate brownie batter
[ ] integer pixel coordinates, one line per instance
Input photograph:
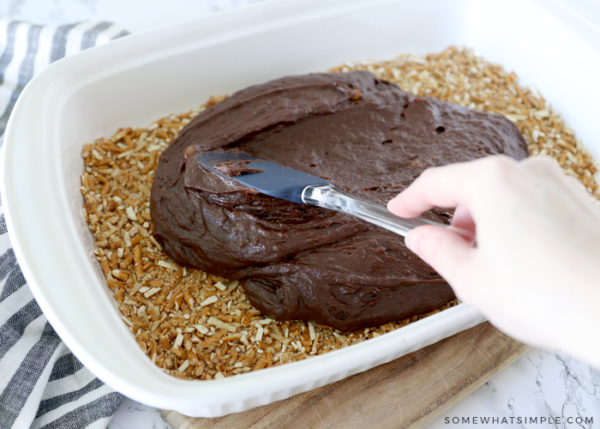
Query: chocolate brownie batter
(301, 262)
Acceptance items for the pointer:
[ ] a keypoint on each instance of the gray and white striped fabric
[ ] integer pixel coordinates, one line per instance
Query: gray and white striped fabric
(42, 385)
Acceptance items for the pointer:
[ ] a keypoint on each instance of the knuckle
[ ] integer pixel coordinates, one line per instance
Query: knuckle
(541, 162)
(424, 179)
(495, 177)
(433, 175)
(500, 169)
(428, 174)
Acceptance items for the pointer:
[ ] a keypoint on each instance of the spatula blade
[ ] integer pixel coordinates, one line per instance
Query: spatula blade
(265, 176)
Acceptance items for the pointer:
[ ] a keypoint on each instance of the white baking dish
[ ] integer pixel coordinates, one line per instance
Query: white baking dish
(142, 77)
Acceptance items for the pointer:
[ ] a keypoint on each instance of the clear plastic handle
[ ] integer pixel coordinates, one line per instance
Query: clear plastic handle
(330, 197)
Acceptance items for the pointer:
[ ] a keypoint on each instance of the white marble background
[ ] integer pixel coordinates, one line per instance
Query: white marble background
(134, 15)
(540, 384)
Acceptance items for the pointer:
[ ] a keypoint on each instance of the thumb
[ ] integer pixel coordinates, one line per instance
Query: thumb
(446, 251)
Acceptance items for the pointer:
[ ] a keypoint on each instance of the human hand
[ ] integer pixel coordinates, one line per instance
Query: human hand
(535, 272)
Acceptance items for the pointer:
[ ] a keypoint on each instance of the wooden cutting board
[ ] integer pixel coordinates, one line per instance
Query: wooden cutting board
(409, 392)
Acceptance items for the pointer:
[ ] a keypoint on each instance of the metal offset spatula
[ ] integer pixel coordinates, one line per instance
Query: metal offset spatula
(292, 185)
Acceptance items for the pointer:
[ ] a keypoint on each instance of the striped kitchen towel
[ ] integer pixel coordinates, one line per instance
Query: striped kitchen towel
(42, 385)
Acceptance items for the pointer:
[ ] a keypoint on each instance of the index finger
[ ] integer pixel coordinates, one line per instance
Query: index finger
(448, 186)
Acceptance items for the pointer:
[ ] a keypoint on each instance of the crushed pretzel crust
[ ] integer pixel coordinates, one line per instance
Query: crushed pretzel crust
(194, 325)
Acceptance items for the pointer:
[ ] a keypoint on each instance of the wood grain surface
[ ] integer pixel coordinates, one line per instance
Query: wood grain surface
(409, 392)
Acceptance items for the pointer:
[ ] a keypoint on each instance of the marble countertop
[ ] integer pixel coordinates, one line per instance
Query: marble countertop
(541, 384)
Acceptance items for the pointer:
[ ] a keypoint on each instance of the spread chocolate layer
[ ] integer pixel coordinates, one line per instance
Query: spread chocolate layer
(295, 261)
